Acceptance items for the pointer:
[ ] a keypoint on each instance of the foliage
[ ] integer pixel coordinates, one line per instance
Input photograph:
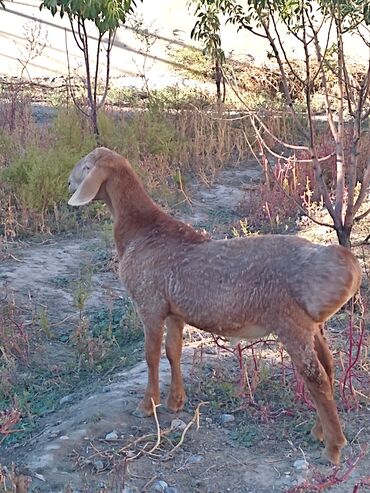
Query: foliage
(161, 143)
(107, 16)
(38, 176)
(348, 98)
(191, 62)
(148, 133)
(207, 30)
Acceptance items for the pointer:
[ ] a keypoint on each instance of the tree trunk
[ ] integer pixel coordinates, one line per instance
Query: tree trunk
(344, 235)
(218, 79)
(94, 122)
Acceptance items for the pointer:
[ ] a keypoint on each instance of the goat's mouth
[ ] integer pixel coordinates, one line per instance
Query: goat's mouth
(72, 187)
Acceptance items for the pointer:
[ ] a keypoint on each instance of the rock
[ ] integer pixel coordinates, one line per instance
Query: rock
(113, 435)
(54, 434)
(65, 399)
(195, 459)
(227, 418)
(301, 465)
(99, 465)
(170, 489)
(178, 425)
(159, 486)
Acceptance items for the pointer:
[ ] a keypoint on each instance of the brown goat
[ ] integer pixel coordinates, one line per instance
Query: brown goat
(244, 287)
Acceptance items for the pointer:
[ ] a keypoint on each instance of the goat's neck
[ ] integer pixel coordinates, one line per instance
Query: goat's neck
(132, 209)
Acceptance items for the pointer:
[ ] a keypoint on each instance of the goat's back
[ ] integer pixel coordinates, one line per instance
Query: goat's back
(243, 280)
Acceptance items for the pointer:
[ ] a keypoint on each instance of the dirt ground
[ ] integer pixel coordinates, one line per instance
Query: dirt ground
(91, 442)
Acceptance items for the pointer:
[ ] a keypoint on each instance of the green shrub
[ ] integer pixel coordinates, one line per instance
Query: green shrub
(144, 133)
(192, 63)
(71, 130)
(39, 177)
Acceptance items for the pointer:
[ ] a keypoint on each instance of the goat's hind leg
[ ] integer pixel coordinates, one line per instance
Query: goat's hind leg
(326, 359)
(300, 345)
(176, 397)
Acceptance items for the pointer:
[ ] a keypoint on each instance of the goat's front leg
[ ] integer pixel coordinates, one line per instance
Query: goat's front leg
(176, 397)
(153, 344)
(303, 354)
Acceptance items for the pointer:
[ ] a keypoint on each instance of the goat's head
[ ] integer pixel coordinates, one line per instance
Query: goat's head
(88, 177)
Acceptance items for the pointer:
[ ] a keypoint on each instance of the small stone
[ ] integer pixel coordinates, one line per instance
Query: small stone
(159, 486)
(54, 434)
(227, 418)
(65, 399)
(64, 437)
(98, 464)
(178, 425)
(301, 464)
(113, 435)
(209, 420)
(170, 489)
(195, 459)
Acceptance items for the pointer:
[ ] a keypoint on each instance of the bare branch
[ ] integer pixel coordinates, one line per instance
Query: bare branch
(312, 139)
(281, 44)
(112, 35)
(362, 216)
(279, 141)
(290, 197)
(71, 90)
(339, 195)
(363, 193)
(96, 76)
(315, 35)
(273, 153)
(78, 41)
(284, 80)
(324, 82)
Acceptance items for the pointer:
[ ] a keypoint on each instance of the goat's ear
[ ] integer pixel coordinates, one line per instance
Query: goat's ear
(88, 189)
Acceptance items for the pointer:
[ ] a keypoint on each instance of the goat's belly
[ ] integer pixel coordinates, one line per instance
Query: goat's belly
(249, 331)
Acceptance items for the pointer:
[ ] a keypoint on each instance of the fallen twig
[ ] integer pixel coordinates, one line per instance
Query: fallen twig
(195, 419)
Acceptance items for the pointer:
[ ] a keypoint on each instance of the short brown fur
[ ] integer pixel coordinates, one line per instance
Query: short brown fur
(245, 287)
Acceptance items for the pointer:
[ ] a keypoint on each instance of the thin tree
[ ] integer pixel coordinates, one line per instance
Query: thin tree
(207, 30)
(322, 31)
(107, 15)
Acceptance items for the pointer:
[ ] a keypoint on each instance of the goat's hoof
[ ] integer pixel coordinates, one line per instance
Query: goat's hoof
(144, 409)
(140, 413)
(333, 452)
(175, 404)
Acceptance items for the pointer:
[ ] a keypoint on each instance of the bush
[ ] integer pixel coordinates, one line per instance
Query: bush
(39, 177)
(145, 133)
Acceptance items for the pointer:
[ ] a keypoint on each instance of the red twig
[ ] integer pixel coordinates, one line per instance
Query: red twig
(7, 420)
(334, 478)
(353, 359)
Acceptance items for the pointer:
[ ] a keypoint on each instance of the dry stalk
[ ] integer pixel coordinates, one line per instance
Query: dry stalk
(158, 442)
(195, 419)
